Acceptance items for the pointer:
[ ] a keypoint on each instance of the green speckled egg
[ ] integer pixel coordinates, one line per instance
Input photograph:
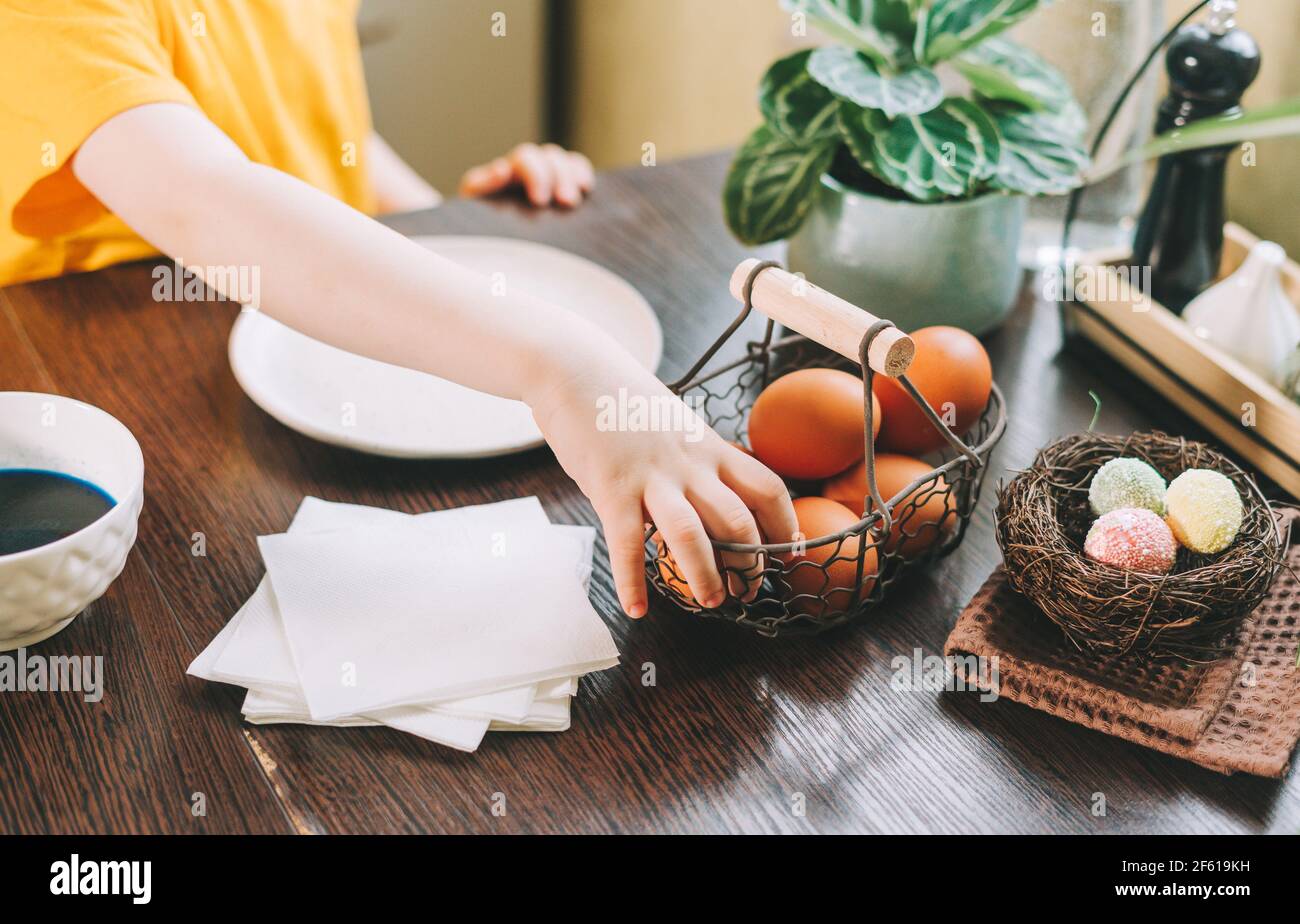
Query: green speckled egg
(1126, 482)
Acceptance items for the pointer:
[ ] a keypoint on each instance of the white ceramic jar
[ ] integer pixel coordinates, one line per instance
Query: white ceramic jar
(43, 589)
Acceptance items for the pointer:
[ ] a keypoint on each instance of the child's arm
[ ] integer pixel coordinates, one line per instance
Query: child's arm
(339, 277)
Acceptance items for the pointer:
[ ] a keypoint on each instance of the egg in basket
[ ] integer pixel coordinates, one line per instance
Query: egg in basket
(883, 438)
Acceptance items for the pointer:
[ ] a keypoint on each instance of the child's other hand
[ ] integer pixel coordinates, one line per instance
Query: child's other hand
(688, 481)
(548, 173)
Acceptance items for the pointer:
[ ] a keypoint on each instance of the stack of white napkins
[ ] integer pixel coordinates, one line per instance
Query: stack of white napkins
(445, 625)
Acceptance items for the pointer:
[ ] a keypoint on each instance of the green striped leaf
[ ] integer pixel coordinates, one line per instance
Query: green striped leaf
(1042, 152)
(852, 23)
(858, 128)
(1001, 69)
(850, 76)
(949, 27)
(794, 103)
(771, 185)
(944, 153)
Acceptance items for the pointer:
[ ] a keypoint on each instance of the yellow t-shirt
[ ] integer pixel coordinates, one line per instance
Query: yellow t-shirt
(282, 78)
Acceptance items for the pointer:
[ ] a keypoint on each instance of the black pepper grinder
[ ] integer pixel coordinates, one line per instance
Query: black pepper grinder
(1180, 232)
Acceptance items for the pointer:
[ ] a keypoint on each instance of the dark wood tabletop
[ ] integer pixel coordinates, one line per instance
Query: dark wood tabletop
(736, 734)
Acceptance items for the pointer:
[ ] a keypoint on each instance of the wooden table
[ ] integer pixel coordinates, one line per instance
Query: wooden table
(737, 727)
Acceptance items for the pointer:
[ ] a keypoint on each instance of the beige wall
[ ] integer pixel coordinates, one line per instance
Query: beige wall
(682, 74)
(445, 92)
(1266, 197)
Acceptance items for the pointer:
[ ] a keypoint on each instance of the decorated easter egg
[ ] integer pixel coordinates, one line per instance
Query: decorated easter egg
(952, 372)
(1126, 482)
(827, 572)
(1203, 508)
(925, 509)
(1132, 539)
(809, 424)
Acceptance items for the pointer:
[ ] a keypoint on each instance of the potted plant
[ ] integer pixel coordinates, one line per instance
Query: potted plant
(898, 161)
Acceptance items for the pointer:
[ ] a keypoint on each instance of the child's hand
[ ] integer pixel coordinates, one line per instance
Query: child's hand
(688, 481)
(548, 173)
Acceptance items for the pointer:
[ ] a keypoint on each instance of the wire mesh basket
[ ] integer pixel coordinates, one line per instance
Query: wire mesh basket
(812, 584)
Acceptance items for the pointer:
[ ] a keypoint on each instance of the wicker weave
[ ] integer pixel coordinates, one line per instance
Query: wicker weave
(1239, 713)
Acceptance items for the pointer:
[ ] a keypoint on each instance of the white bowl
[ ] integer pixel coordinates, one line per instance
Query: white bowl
(43, 589)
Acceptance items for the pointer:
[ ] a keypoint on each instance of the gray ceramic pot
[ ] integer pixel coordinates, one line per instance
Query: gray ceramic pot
(916, 265)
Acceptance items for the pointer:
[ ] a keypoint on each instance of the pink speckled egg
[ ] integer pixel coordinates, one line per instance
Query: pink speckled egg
(1132, 539)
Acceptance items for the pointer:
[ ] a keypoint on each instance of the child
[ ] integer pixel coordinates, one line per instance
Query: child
(236, 132)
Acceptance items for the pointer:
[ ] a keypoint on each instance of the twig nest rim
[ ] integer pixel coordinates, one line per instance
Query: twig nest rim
(1043, 516)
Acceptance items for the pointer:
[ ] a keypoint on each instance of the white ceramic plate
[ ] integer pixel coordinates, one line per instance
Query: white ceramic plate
(347, 400)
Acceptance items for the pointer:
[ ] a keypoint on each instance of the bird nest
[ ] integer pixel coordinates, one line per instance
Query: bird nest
(1043, 517)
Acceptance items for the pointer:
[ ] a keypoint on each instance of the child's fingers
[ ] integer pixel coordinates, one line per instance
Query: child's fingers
(546, 172)
(534, 169)
(487, 179)
(624, 527)
(727, 519)
(583, 170)
(682, 530)
(763, 492)
(566, 180)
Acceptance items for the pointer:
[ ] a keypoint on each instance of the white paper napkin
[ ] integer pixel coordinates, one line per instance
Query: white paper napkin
(402, 614)
(254, 652)
(335, 556)
(551, 714)
(465, 734)
(257, 656)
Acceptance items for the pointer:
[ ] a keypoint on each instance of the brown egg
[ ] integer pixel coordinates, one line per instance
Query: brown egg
(671, 573)
(924, 523)
(820, 517)
(808, 424)
(952, 372)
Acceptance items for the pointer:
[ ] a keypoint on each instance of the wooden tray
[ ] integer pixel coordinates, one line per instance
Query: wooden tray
(1248, 414)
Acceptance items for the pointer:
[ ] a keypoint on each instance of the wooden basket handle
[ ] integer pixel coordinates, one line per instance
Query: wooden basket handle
(818, 315)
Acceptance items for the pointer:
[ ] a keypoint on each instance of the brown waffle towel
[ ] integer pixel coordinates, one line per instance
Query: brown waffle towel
(1241, 712)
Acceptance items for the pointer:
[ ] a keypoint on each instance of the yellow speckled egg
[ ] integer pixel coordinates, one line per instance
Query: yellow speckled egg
(1203, 508)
